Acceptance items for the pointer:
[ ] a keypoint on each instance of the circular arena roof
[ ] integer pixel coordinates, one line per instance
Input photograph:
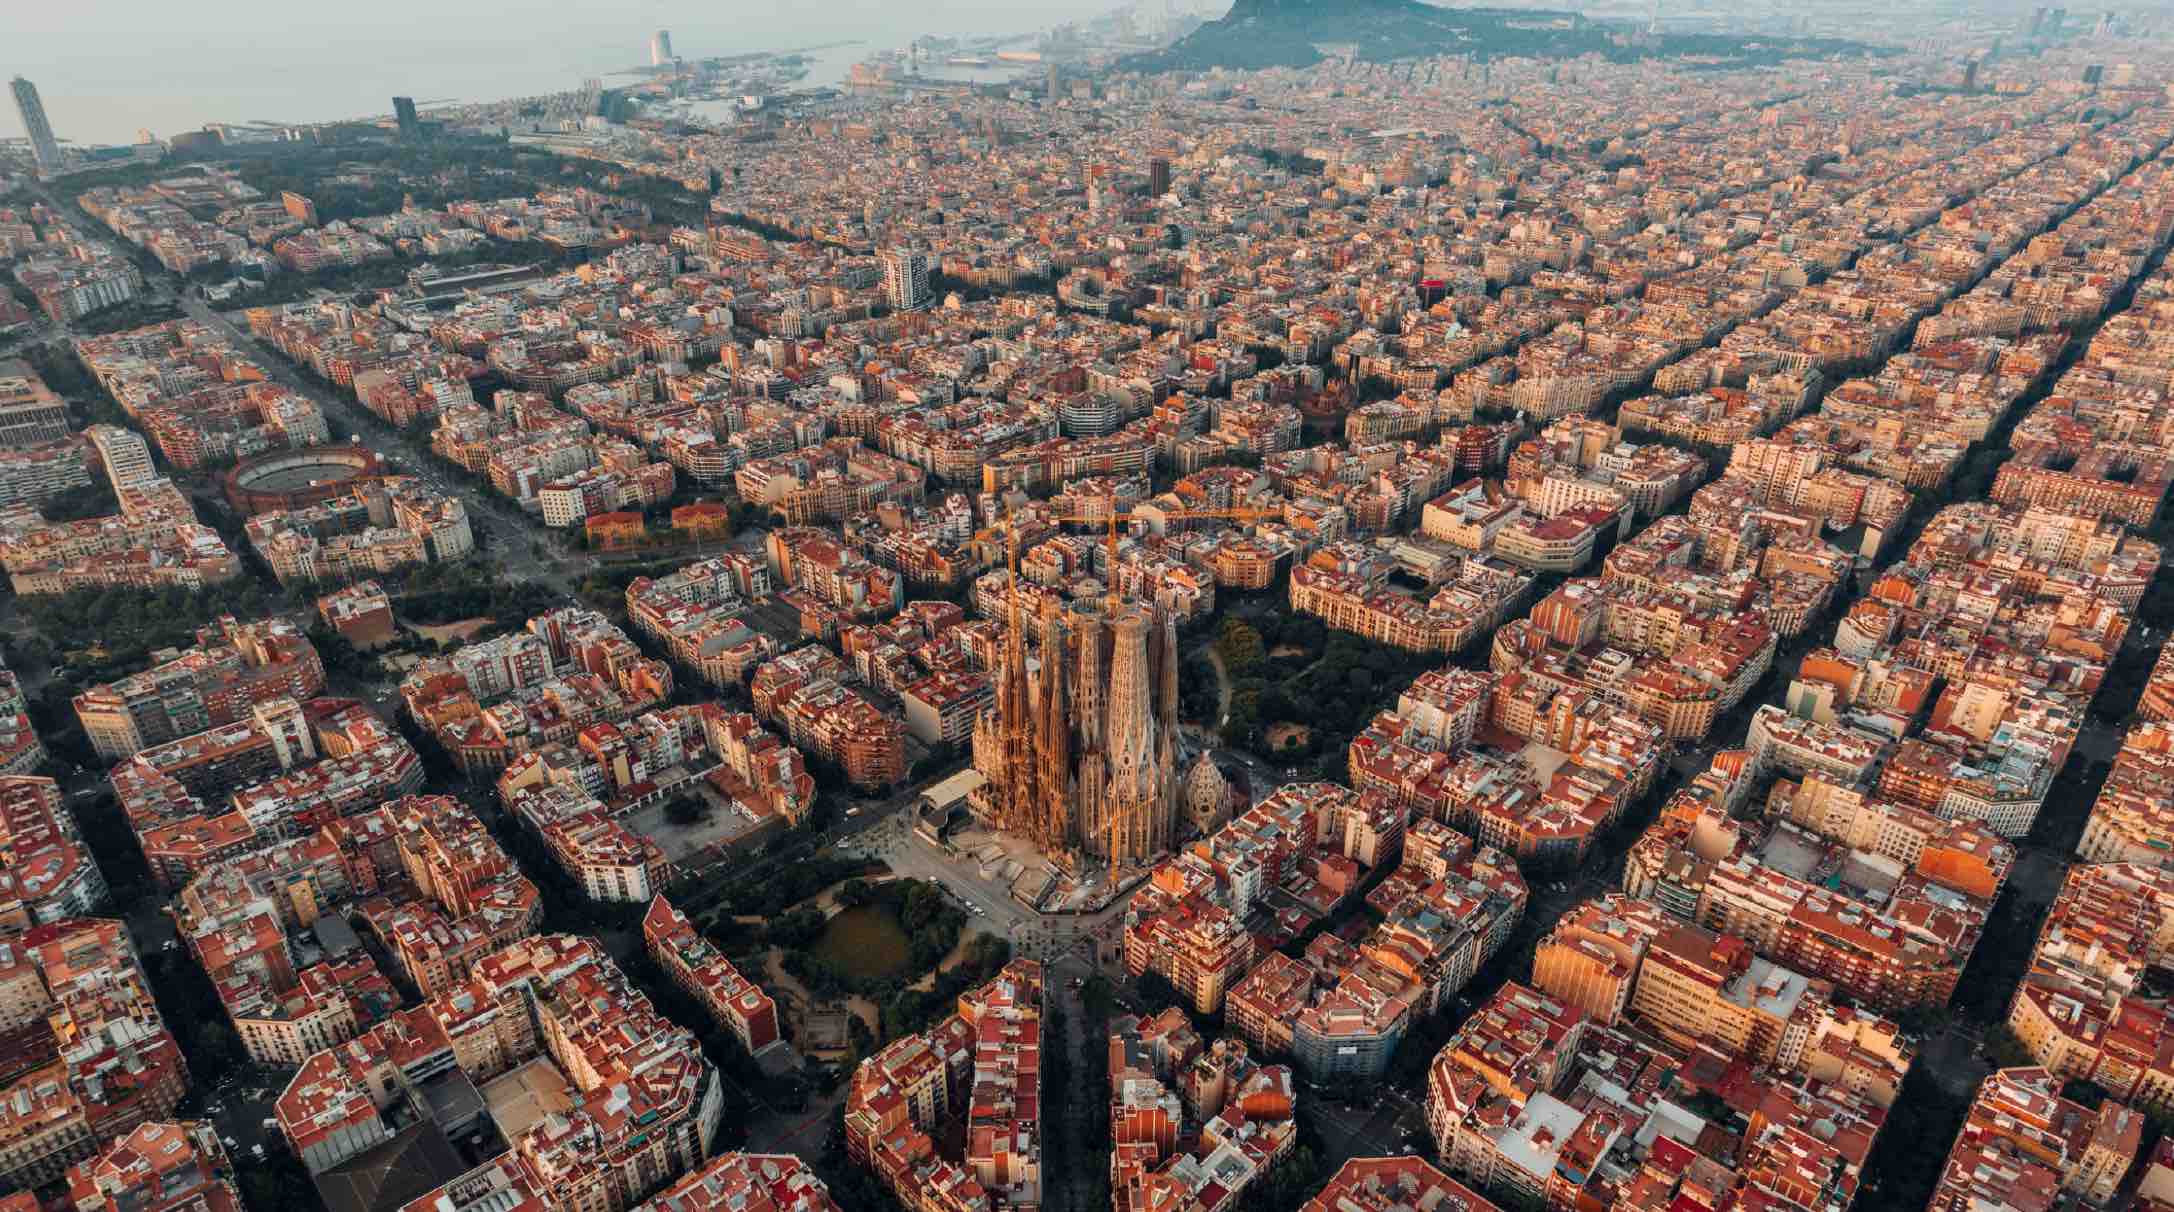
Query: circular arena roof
(290, 479)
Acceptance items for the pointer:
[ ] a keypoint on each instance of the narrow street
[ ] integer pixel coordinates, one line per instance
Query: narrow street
(1074, 1188)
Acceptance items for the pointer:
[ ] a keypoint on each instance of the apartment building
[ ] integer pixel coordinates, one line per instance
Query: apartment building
(2022, 1144)
(158, 1167)
(234, 666)
(2081, 1010)
(982, 1064)
(362, 613)
(1194, 944)
(2133, 817)
(802, 693)
(1888, 935)
(746, 1182)
(1381, 1184)
(1534, 1101)
(1159, 1075)
(49, 875)
(1446, 912)
(122, 454)
(108, 1066)
(384, 526)
(647, 1105)
(1478, 594)
(30, 413)
(696, 965)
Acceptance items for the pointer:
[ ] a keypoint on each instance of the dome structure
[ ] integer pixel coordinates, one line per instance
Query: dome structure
(1206, 795)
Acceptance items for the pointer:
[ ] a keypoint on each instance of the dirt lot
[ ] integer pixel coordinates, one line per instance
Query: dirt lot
(1280, 731)
(465, 629)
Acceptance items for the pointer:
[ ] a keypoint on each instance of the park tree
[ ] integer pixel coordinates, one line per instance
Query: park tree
(1240, 646)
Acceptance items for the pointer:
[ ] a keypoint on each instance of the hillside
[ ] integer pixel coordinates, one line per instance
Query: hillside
(1290, 33)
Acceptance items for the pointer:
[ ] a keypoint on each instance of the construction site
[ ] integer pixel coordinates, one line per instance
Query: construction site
(1081, 748)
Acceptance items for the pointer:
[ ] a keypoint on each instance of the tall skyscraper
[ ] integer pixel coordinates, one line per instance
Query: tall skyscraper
(905, 279)
(660, 48)
(1055, 79)
(1158, 177)
(42, 144)
(124, 453)
(411, 127)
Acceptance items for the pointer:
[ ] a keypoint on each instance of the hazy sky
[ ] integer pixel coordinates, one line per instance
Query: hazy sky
(107, 67)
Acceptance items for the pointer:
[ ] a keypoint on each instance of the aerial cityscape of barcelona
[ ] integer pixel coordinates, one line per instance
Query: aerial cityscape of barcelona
(1087, 606)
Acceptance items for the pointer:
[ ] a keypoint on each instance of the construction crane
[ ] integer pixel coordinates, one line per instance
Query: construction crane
(1236, 513)
(1012, 692)
(1112, 518)
(1014, 625)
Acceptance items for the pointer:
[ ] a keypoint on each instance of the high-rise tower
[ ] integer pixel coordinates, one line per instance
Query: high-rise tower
(411, 126)
(42, 144)
(124, 454)
(660, 48)
(905, 279)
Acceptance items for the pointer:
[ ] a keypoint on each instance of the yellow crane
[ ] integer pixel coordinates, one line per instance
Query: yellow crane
(1235, 513)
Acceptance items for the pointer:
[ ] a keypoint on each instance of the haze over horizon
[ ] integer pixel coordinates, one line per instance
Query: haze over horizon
(107, 68)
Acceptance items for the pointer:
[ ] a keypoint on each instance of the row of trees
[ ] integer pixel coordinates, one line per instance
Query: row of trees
(92, 500)
(1328, 682)
(105, 633)
(432, 173)
(931, 923)
(911, 1009)
(495, 599)
(783, 884)
(142, 313)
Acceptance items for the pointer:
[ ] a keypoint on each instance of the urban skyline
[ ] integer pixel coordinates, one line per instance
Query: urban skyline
(1344, 606)
(110, 72)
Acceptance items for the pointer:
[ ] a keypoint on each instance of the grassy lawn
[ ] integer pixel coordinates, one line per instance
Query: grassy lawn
(865, 943)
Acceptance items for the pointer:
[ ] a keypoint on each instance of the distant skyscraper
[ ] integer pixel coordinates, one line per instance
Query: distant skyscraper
(1055, 78)
(411, 127)
(1158, 177)
(42, 144)
(660, 48)
(905, 279)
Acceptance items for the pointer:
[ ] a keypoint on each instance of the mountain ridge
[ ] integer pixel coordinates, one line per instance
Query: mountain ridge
(1289, 33)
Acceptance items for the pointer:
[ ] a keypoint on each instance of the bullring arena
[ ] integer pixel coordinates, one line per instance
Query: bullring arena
(291, 479)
